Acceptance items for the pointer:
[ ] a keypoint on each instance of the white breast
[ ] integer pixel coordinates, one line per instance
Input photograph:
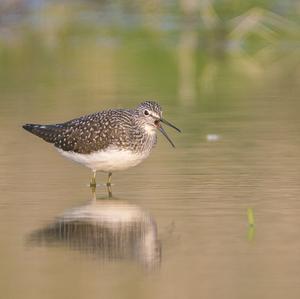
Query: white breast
(109, 160)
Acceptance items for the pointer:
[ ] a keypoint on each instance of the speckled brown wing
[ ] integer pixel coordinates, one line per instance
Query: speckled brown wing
(95, 132)
(87, 134)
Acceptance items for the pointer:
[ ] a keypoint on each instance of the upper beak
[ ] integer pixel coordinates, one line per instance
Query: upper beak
(169, 124)
(164, 132)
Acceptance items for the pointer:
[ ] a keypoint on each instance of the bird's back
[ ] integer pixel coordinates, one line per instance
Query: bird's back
(89, 133)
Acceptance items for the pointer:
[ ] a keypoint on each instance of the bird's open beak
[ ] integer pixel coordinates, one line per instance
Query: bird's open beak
(157, 122)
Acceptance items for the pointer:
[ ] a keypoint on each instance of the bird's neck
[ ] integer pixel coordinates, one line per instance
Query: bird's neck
(144, 136)
(149, 140)
(149, 130)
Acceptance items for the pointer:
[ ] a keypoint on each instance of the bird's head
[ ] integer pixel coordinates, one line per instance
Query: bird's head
(150, 117)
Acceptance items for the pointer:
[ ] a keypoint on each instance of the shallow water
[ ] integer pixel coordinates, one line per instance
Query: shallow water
(177, 224)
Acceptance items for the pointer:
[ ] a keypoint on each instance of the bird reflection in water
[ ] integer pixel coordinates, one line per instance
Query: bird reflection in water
(111, 229)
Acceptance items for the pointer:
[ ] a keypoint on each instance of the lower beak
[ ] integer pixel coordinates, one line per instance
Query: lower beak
(163, 131)
(165, 134)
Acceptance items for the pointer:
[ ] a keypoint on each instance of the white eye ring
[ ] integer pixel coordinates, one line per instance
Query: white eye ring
(146, 112)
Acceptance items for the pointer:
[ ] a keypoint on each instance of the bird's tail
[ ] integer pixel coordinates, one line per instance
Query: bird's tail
(48, 132)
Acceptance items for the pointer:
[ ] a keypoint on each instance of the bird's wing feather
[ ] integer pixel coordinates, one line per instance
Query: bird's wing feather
(88, 133)
(92, 133)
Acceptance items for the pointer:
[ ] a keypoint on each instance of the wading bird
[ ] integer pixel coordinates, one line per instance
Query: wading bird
(109, 140)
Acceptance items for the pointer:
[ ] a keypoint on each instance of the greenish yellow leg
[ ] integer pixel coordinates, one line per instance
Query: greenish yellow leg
(93, 190)
(93, 180)
(109, 179)
(109, 191)
(108, 185)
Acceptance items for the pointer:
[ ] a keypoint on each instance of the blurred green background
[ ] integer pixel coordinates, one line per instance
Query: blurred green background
(189, 52)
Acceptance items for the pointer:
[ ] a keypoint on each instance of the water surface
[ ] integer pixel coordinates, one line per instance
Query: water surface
(177, 225)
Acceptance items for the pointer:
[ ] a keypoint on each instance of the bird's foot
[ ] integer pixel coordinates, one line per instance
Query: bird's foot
(109, 190)
(93, 184)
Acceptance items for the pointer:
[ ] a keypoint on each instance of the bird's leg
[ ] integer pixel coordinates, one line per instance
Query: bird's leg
(93, 190)
(93, 180)
(109, 191)
(109, 179)
(108, 185)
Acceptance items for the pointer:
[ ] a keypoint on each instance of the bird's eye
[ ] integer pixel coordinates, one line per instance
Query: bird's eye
(146, 112)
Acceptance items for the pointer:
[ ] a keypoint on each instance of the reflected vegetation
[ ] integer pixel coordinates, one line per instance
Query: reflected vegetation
(111, 229)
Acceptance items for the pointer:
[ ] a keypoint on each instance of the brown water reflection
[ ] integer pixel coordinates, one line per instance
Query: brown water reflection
(111, 229)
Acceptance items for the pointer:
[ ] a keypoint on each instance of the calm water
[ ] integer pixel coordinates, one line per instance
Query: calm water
(177, 225)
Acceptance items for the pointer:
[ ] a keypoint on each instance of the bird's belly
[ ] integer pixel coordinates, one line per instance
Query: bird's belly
(109, 160)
